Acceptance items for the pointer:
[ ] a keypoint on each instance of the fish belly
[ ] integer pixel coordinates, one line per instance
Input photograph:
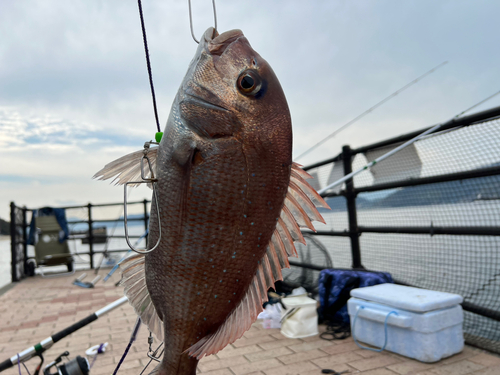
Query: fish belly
(218, 213)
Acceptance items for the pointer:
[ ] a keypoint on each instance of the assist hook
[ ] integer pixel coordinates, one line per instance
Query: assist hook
(191, 20)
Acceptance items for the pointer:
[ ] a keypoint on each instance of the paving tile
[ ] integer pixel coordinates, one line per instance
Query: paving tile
(266, 354)
(208, 358)
(229, 351)
(368, 353)
(337, 359)
(279, 336)
(340, 348)
(495, 370)
(222, 363)
(293, 369)
(130, 356)
(464, 354)
(255, 340)
(410, 367)
(35, 302)
(313, 338)
(377, 371)
(457, 368)
(108, 369)
(279, 343)
(254, 333)
(485, 360)
(256, 366)
(338, 368)
(372, 363)
(302, 356)
(310, 345)
(223, 371)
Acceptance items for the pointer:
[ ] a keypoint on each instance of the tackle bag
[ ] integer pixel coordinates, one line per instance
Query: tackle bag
(335, 286)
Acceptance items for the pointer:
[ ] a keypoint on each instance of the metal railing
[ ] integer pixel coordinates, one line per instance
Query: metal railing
(447, 254)
(19, 228)
(461, 245)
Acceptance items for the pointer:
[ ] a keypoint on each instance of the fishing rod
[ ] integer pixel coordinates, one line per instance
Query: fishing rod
(43, 345)
(404, 145)
(123, 258)
(371, 109)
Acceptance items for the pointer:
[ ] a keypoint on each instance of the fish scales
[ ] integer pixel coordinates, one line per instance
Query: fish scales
(223, 172)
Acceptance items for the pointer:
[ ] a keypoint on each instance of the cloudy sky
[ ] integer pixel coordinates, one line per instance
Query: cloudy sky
(74, 91)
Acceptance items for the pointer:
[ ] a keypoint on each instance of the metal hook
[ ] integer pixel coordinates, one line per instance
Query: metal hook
(191, 20)
(145, 180)
(154, 356)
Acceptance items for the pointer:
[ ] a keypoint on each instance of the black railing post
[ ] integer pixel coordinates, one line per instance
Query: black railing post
(25, 241)
(350, 196)
(145, 203)
(91, 237)
(13, 242)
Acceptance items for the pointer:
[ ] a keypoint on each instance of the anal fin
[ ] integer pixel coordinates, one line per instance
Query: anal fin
(135, 289)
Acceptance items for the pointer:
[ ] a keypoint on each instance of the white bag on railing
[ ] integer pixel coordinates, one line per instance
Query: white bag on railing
(300, 319)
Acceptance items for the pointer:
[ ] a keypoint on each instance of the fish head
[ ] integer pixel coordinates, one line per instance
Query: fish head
(231, 91)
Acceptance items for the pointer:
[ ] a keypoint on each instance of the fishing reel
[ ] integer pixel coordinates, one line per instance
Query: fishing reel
(77, 366)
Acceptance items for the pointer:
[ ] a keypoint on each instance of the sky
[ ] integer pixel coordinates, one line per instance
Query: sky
(74, 90)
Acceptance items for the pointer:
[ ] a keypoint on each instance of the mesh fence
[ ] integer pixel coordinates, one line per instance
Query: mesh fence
(434, 223)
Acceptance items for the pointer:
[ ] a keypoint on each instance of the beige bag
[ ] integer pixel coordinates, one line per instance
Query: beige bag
(300, 319)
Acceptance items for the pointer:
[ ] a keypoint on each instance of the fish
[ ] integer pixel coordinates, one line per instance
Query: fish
(229, 202)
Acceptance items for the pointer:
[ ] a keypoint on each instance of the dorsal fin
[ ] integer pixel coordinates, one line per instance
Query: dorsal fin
(134, 281)
(299, 209)
(128, 168)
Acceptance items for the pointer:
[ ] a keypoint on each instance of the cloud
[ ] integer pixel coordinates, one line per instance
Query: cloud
(74, 90)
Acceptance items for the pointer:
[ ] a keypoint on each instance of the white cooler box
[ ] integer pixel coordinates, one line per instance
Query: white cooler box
(424, 324)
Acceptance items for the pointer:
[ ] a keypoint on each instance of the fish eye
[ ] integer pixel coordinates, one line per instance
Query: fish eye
(249, 83)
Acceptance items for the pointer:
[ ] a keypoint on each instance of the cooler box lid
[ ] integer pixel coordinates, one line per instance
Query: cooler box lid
(407, 298)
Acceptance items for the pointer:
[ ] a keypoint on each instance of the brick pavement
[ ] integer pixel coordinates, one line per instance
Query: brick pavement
(37, 308)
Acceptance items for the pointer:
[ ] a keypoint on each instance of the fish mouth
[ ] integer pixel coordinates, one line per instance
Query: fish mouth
(216, 44)
(199, 101)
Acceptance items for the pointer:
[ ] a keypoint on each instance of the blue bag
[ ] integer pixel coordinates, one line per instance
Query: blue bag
(335, 287)
(60, 215)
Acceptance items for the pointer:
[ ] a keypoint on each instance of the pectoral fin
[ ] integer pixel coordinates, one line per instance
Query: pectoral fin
(128, 168)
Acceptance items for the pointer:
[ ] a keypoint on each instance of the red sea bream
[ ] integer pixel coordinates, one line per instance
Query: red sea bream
(231, 203)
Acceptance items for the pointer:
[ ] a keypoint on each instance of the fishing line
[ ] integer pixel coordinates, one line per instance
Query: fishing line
(371, 109)
(151, 359)
(19, 365)
(404, 145)
(131, 341)
(149, 65)
(28, 371)
(478, 104)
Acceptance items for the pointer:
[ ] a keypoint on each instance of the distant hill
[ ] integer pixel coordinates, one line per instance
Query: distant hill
(4, 227)
(108, 224)
(464, 191)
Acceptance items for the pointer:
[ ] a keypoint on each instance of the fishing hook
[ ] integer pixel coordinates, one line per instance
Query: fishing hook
(145, 180)
(191, 20)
